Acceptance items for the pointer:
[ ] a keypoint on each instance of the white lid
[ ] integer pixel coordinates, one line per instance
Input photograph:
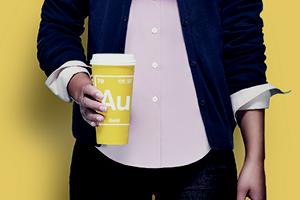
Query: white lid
(113, 59)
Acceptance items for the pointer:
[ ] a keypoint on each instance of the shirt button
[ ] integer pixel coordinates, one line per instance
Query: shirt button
(155, 99)
(154, 64)
(154, 30)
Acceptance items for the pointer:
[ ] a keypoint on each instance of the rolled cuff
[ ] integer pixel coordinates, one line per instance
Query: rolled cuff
(58, 80)
(255, 97)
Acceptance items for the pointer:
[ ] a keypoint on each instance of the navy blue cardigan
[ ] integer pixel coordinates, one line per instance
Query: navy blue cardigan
(223, 38)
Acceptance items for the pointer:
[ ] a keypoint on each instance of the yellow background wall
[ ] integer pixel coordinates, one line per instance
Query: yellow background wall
(35, 126)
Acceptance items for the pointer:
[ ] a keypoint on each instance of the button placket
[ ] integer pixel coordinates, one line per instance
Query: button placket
(155, 30)
(154, 63)
(159, 72)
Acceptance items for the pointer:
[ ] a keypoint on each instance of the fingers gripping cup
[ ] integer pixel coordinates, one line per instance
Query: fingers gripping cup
(113, 75)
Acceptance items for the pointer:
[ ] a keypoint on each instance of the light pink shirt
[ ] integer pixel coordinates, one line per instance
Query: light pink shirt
(166, 127)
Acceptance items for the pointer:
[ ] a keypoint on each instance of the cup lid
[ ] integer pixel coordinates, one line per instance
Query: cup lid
(113, 59)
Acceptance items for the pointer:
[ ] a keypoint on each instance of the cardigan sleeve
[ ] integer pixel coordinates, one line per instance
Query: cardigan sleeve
(243, 48)
(244, 55)
(58, 40)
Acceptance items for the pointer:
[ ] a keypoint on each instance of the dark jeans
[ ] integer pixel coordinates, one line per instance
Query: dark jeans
(93, 176)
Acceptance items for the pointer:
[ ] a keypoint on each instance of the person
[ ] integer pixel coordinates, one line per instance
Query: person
(200, 71)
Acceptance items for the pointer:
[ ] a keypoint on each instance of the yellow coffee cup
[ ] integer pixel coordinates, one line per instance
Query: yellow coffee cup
(113, 75)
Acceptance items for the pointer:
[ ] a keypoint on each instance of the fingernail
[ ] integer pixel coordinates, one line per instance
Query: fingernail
(93, 124)
(103, 108)
(98, 95)
(99, 118)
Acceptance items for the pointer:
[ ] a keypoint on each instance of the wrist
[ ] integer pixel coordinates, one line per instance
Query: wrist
(76, 83)
(258, 159)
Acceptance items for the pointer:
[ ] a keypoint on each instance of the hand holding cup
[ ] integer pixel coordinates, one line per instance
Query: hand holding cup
(84, 93)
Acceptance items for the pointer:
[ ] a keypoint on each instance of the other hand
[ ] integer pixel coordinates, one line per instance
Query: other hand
(251, 181)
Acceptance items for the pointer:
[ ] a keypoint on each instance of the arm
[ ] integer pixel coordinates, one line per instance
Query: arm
(244, 68)
(58, 42)
(251, 182)
(252, 127)
(250, 118)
